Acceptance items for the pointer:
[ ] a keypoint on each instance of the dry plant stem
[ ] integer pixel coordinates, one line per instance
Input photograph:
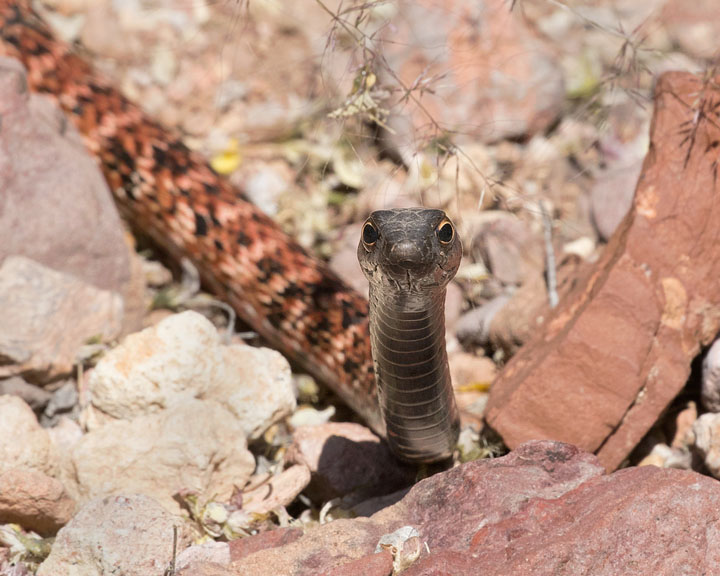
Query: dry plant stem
(170, 193)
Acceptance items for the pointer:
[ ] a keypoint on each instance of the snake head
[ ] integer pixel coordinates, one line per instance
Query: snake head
(409, 249)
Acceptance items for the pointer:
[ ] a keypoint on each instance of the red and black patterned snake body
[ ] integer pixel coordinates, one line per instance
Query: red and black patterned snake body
(169, 192)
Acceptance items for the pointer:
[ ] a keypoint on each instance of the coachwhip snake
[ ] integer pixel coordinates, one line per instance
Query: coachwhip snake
(170, 193)
(409, 256)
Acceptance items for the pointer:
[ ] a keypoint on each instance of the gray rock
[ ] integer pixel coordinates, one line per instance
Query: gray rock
(55, 207)
(34, 396)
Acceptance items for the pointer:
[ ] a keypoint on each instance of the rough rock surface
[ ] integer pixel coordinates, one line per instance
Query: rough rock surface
(130, 535)
(23, 443)
(48, 316)
(280, 490)
(35, 501)
(644, 521)
(494, 71)
(447, 509)
(348, 460)
(182, 357)
(509, 249)
(197, 446)
(706, 430)
(619, 347)
(55, 202)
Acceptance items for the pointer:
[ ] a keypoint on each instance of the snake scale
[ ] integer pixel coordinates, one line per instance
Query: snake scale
(171, 194)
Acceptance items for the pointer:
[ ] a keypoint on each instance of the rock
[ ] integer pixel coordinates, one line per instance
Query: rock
(710, 391)
(182, 357)
(473, 327)
(35, 501)
(208, 552)
(280, 490)
(48, 316)
(55, 202)
(243, 547)
(23, 443)
(32, 395)
(693, 26)
(683, 436)
(65, 434)
(517, 321)
(195, 446)
(203, 568)
(707, 441)
(618, 349)
(493, 69)
(446, 509)
(130, 535)
(509, 249)
(156, 368)
(664, 456)
(612, 196)
(256, 387)
(467, 369)
(642, 521)
(454, 299)
(471, 377)
(346, 460)
(63, 401)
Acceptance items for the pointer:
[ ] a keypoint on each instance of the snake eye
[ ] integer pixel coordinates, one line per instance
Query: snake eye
(445, 232)
(369, 234)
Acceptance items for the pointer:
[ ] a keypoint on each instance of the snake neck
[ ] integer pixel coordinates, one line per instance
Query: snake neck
(407, 336)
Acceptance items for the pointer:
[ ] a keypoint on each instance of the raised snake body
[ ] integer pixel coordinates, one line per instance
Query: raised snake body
(170, 193)
(409, 256)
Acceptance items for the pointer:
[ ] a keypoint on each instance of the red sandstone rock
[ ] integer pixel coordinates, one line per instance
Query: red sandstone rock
(447, 510)
(619, 347)
(35, 501)
(640, 521)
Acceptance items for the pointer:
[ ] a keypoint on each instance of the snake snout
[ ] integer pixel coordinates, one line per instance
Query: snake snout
(407, 254)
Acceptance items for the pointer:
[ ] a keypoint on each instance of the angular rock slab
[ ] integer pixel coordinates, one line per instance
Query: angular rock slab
(642, 521)
(446, 509)
(618, 349)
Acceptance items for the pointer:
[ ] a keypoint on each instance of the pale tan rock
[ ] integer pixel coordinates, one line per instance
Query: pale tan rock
(707, 441)
(122, 534)
(180, 358)
(684, 436)
(256, 386)
(48, 316)
(34, 500)
(217, 553)
(197, 445)
(65, 434)
(23, 443)
(157, 368)
(279, 490)
(710, 387)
